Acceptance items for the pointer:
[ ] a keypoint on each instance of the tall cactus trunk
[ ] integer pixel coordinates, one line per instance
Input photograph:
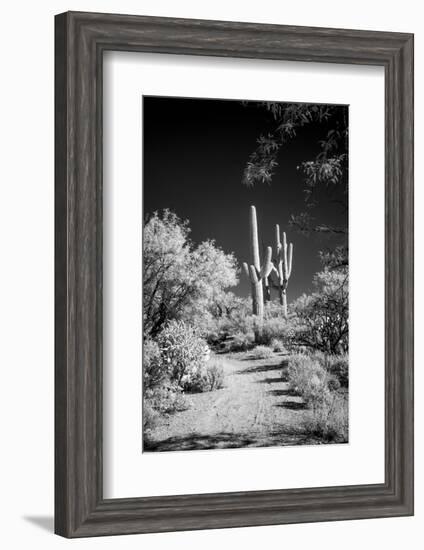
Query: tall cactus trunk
(255, 268)
(258, 301)
(259, 275)
(257, 297)
(283, 300)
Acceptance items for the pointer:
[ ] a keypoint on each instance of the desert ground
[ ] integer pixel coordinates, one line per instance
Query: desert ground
(255, 408)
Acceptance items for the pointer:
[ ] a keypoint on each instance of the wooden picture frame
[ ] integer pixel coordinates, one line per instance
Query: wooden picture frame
(81, 39)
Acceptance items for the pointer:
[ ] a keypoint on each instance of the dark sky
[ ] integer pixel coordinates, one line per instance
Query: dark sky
(195, 151)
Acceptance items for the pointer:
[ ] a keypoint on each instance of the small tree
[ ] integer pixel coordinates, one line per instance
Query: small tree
(321, 320)
(178, 276)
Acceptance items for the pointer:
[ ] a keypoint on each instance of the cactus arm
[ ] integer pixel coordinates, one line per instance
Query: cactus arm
(265, 272)
(290, 260)
(253, 275)
(280, 271)
(277, 238)
(284, 254)
(254, 241)
(283, 266)
(267, 266)
(246, 269)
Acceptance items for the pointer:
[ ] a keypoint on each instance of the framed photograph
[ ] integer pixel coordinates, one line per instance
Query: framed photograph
(234, 274)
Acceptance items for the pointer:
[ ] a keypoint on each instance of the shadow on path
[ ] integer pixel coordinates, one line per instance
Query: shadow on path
(225, 440)
(273, 380)
(292, 405)
(280, 393)
(259, 368)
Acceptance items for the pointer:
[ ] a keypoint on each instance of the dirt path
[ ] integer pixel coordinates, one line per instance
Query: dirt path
(254, 409)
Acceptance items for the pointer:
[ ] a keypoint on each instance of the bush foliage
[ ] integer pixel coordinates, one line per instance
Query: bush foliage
(308, 378)
(184, 351)
(321, 320)
(161, 399)
(177, 362)
(210, 378)
(155, 370)
(330, 421)
(312, 377)
(278, 345)
(214, 375)
(338, 366)
(240, 342)
(262, 352)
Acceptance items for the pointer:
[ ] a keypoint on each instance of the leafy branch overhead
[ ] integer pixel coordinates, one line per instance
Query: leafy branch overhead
(326, 167)
(325, 174)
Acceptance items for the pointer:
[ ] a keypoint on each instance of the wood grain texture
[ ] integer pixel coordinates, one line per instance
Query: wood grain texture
(81, 39)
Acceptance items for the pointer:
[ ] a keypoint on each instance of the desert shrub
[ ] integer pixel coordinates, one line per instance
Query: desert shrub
(239, 323)
(160, 395)
(277, 345)
(154, 368)
(221, 317)
(150, 416)
(215, 337)
(262, 352)
(321, 319)
(333, 383)
(241, 341)
(165, 399)
(214, 374)
(330, 419)
(274, 328)
(338, 366)
(184, 352)
(308, 378)
(210, 377)
(241, 326)
(187, 356)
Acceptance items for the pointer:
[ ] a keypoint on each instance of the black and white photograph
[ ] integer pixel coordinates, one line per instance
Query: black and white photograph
(208, 266)
(245, 274)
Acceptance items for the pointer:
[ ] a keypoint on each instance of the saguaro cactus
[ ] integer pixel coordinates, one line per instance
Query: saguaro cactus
(257, 273)
(284, 263)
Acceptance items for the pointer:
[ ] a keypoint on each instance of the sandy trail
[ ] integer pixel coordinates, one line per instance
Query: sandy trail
(254, 409)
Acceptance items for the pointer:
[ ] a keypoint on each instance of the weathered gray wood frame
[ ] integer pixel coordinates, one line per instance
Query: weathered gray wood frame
(81, 39)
